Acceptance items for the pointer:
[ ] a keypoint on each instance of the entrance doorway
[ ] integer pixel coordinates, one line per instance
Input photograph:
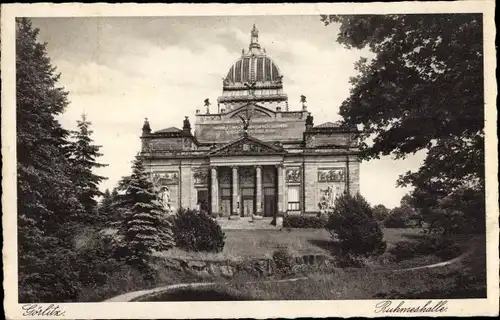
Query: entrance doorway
(247, 199)
(269, 202)
(225, 202)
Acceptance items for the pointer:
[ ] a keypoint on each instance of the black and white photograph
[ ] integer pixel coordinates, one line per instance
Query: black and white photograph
(236, 156)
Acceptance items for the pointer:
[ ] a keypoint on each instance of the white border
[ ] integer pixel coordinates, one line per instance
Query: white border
(251, 309)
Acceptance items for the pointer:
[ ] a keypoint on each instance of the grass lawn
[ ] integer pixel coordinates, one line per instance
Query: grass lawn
(369, 282)
(247, 244)
(464, 279)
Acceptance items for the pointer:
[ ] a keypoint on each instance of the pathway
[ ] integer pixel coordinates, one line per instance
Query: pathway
(130, 296)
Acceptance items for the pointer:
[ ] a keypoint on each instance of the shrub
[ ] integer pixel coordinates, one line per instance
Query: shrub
(353, 224)
(304, 221)
(197, 231)
(395, 221)
(438, 247)
(403, 250)
(283, 260)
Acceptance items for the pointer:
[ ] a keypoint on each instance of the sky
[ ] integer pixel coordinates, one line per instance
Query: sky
(119, 71)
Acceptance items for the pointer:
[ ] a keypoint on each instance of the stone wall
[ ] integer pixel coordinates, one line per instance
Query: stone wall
(264, 267)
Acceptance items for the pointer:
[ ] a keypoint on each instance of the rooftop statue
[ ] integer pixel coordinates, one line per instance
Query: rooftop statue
(246, 124)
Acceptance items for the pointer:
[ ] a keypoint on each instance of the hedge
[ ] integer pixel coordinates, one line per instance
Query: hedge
(304, 221)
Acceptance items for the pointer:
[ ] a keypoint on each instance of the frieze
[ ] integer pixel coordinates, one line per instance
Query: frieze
(331, 175)
(293, 175)
(165, 178)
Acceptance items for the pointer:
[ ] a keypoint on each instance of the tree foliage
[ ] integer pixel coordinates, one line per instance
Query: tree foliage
(197, 231)
(423, 90)
(83, 154)
(145, 227)
(380, 212)
(47, 202)
(353, 224)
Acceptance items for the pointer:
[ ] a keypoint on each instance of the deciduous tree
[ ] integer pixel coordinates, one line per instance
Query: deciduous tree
(423, 90)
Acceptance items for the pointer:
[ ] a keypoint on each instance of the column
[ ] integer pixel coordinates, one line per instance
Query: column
(258, 191)
(215, 192)
(281, 190)
(235, 212)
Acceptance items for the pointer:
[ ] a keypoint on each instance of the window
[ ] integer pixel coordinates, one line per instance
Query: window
(293, 198)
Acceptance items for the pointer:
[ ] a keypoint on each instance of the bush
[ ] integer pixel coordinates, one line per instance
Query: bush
(438, 247)
(395, 221)
(304, 221)
(353, 224)
(283, 260)
(197, 231)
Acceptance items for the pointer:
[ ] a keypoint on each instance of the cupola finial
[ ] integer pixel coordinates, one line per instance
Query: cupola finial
(254, 38)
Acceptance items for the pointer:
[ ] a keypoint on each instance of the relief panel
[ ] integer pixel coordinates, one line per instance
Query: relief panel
(293, 175)
(166, 178)
(331, 175)
(200, 177)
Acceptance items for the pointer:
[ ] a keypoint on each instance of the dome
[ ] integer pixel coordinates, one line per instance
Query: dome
(254, 77)
(251, 67)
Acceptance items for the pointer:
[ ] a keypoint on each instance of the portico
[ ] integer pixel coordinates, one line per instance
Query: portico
(247, 190)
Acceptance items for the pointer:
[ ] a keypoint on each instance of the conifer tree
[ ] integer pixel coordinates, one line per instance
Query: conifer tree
(145, 228)
(47, 202)
(83, 159)
(105, 206)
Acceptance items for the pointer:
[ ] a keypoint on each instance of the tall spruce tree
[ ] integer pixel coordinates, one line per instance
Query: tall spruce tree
(47, 203)
(145, 227)
(105, 207)
(83, 159)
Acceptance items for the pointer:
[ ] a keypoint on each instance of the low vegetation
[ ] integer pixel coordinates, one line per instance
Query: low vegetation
(305, 221)
(465, 279)
(197, 231)
(353, 225)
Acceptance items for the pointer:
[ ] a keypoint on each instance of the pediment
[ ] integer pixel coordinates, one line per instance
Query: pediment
(247, 146)
(256, 110)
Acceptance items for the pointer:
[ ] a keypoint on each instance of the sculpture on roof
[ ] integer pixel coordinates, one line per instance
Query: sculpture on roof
(309, 119)
(186, 127)
(207, 105)
(146, 129)
(246, 123)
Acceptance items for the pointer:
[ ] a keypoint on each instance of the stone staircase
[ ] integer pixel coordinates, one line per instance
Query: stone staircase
(246, 223)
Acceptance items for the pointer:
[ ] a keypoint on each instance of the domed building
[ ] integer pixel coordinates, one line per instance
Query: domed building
(252, 156)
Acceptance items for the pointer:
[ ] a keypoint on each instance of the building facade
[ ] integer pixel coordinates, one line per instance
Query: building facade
(252, 156)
